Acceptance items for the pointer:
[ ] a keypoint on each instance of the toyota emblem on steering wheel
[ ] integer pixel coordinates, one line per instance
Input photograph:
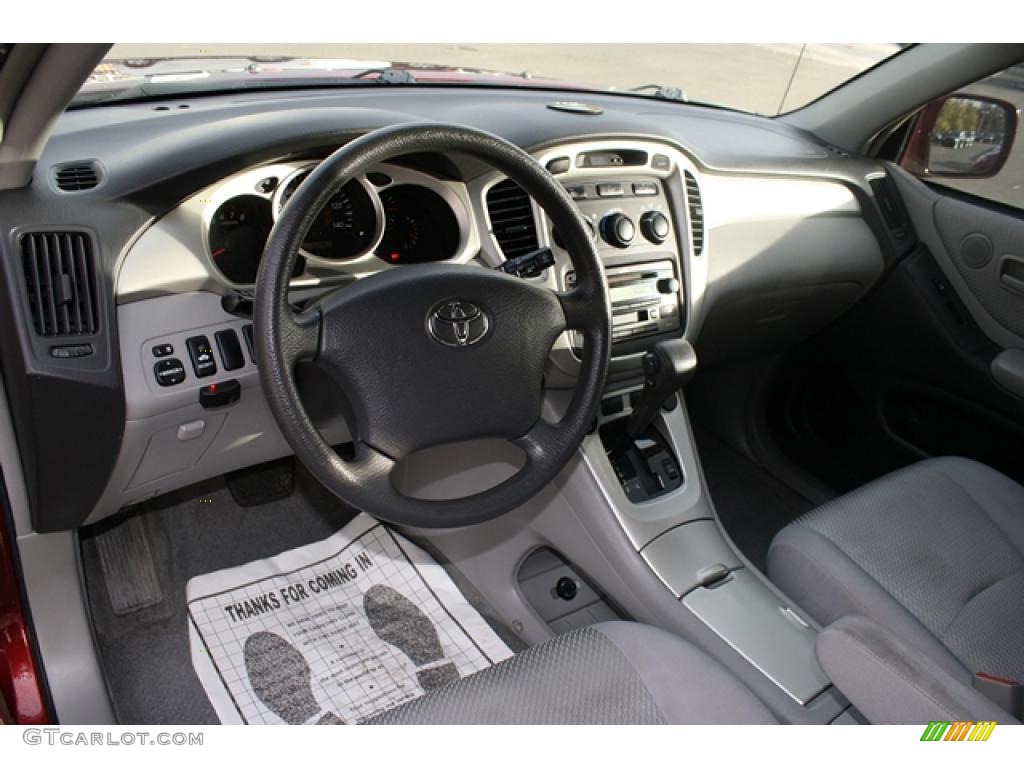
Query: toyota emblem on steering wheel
(458, 323)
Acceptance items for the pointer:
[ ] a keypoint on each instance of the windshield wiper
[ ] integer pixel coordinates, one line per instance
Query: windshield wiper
(670, 93)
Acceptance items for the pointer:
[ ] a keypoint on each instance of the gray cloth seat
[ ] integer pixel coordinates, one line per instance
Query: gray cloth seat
(611, 673)
(934, 553)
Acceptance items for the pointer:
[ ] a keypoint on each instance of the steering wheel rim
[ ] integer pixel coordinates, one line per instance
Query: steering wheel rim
(523, 317)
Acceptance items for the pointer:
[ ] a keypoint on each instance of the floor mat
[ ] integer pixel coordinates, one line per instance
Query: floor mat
(752, 505)
(333, 632)
(193, 531)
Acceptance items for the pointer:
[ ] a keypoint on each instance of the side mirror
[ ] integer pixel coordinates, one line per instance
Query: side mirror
(961, 136)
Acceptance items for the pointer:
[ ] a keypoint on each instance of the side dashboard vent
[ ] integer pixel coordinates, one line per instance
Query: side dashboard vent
(891, 205)
(696, 213)
(60, 282)
(512, 220)
(77, 177)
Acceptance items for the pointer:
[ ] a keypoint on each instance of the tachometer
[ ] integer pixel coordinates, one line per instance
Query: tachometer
(418, 226)
(345, 228)
(238, 234)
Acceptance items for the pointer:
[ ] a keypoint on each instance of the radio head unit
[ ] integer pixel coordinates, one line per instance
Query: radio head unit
(644, 298)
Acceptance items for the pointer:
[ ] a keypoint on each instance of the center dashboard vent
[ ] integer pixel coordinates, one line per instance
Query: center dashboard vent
(512, 221)
(60, 282)
(77, 177)
(696, 213)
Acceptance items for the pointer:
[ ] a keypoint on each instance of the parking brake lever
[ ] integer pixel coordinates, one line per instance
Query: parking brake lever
(668, 366)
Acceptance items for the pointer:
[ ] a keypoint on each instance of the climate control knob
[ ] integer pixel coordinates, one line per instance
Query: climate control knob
(654, 226)
(618, 229)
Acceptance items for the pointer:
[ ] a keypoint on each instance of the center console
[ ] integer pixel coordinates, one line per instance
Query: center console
(629, 531)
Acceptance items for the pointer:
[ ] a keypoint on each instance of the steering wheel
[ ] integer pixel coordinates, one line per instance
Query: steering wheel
(429, 354)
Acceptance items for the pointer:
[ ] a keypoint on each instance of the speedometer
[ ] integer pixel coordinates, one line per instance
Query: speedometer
(346, 226)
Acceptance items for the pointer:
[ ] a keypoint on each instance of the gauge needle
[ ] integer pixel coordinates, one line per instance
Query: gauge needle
(219, 252)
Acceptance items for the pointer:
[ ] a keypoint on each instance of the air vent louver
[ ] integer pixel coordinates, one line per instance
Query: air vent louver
(696, 213)
(77, 177)
(60, 282)
(512, 219)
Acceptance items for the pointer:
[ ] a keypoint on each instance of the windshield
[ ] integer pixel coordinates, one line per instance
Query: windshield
(767, 79)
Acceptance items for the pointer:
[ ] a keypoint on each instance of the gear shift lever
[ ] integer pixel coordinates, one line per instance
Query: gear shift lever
(668, 366)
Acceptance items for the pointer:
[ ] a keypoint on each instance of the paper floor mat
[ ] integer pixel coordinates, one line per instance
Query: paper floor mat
(333, 632)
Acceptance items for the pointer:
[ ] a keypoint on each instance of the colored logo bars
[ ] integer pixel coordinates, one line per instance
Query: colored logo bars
(938, 730)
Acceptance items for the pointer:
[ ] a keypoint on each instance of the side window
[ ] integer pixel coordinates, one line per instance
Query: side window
(970, 141)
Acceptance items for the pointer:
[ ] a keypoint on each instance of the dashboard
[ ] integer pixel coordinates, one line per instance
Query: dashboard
(740, 234)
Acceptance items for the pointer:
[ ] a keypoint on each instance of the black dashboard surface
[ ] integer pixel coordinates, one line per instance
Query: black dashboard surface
(69, 414)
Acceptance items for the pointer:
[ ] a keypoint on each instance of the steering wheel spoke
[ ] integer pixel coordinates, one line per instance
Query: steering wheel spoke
(300, 335)
(538, 442)
(579, 308)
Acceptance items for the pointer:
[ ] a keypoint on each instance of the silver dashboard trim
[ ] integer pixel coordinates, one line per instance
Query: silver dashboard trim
(173, 256)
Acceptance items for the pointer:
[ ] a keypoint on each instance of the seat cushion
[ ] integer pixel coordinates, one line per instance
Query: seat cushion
(933, 552)
(611, 673)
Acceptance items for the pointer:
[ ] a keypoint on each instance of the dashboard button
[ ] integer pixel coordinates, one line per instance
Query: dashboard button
(230, 349)
(610, 190)
(668, 285)
(71, 350)
(247, 334)
(645, 189)
(201, 352)
(661, 163)
(577, 192)
(163, 350)
(169, 372)
(267, 185)
(558, 165)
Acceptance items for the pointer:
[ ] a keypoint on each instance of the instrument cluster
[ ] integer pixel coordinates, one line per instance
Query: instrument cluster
(390, 215)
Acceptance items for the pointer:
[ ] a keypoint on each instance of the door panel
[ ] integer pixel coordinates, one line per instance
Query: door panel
(987, 249)
(976, 245)
(906, 375)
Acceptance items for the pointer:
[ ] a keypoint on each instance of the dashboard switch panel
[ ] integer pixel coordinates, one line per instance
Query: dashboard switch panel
(201, 352)
(230, 349)
(169, 372)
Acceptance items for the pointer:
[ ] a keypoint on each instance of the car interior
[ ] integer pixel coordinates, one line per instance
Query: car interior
(699, 416)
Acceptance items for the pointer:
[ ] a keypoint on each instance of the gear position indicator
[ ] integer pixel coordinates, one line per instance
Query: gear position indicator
(334, 632)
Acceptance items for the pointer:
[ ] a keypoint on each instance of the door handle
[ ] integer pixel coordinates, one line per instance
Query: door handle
(1011, 274)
